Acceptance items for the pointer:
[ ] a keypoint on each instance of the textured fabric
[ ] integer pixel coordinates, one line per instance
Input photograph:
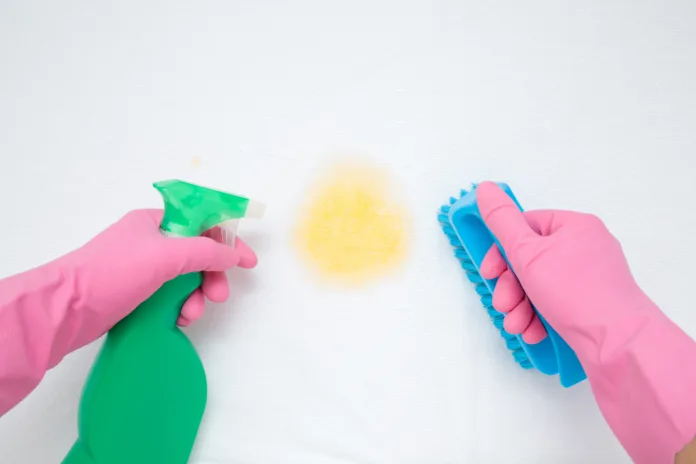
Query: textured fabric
(47, 312)
(641, 366)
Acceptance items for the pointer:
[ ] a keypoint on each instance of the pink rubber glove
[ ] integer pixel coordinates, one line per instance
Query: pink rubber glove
(50, 311)
(640, 365)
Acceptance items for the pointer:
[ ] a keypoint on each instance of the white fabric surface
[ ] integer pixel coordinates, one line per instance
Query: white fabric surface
(578, 105)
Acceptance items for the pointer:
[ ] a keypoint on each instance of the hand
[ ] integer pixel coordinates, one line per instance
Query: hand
(569, 265)
(638, 362)
(124, 265)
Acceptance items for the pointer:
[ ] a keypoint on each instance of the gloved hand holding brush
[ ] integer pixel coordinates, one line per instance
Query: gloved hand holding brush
(640, 365)
(50, 311)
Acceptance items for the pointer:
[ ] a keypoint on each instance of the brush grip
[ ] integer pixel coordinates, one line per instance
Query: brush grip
(550, 356)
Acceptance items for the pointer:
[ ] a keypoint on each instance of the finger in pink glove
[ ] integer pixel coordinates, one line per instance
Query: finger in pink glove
(215, 286)
(510, 299)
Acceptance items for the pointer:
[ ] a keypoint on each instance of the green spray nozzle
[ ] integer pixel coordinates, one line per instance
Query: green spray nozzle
(190, 210)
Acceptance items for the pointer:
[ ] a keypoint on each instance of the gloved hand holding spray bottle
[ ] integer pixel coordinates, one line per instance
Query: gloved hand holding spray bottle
(145, 396)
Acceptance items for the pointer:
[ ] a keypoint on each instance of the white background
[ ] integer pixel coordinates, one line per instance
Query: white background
(577, 105)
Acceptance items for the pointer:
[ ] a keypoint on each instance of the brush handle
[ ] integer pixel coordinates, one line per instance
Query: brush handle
(550, 356)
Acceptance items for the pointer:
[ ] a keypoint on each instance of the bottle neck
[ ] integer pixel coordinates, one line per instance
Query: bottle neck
(162, 309)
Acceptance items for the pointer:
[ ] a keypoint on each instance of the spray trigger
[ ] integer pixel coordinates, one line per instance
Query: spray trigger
(229, 228)
(229, 231)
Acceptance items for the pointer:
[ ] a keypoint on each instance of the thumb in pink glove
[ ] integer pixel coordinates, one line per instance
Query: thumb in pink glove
(641, 366)
(47, 312)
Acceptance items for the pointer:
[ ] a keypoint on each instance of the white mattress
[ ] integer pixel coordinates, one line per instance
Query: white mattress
(583, 106)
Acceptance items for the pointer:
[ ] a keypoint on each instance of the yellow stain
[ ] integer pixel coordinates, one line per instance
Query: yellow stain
(352, 230)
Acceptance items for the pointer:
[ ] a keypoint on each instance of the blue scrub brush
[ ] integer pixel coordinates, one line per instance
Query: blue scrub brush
(471, 239)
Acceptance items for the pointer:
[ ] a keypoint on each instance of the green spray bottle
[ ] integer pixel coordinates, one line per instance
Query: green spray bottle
(145, 396)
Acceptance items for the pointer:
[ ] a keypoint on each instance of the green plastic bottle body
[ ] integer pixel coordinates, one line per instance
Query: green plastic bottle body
(145, 396)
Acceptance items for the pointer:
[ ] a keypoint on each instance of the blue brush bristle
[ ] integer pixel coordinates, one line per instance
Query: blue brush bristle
(475, 278)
